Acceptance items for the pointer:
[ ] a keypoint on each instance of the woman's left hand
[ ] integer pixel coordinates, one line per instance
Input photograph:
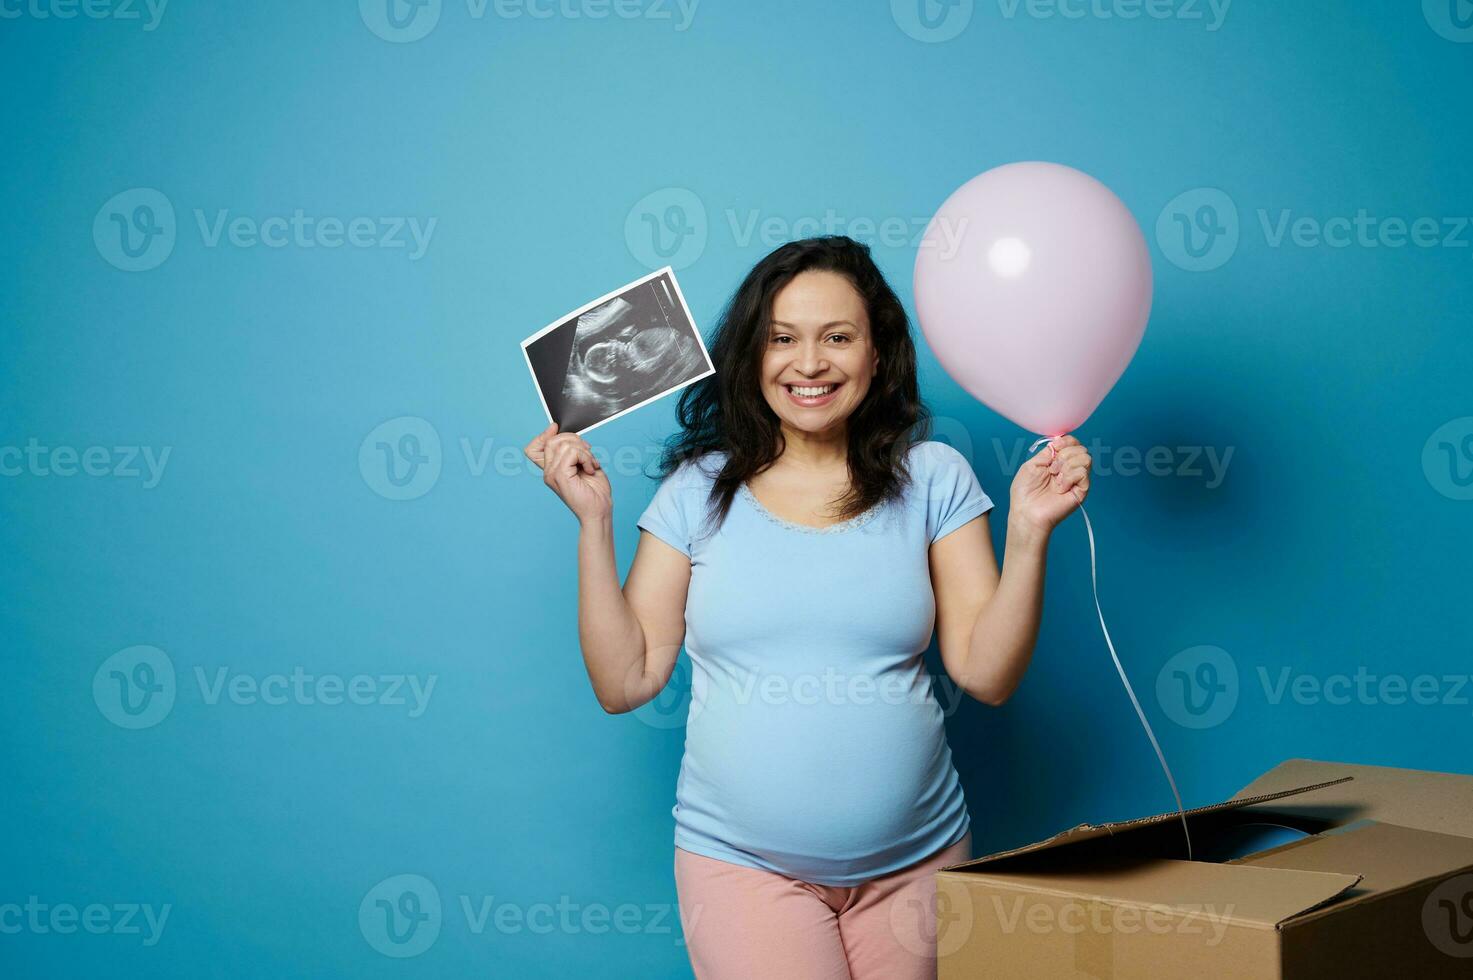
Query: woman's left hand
(1049, 487)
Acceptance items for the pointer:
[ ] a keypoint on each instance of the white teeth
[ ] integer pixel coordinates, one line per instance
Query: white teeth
(810, 392)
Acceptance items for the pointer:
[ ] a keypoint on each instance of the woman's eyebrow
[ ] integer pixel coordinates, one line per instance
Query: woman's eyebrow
(831, 323)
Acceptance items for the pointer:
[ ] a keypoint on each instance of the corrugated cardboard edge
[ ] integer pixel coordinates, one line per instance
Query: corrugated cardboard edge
(1087, 831)
(1441, 802)
(1338, 883)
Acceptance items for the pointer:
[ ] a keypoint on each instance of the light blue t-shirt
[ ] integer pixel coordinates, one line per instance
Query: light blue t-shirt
(814, 745)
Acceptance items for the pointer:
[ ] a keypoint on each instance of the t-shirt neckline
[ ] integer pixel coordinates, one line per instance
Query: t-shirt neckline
(858, 520)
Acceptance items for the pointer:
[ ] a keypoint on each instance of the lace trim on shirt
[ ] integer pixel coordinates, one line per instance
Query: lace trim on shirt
(858, 520)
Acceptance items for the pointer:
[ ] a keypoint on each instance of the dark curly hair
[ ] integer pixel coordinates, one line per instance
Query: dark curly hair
(727, 412)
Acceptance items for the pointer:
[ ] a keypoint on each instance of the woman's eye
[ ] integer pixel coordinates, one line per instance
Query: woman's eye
(784, 337)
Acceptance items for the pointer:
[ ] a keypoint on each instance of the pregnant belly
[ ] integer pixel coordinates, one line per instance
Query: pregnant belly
(795, 782)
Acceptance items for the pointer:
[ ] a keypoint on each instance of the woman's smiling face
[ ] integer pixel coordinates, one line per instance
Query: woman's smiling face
(819, 342)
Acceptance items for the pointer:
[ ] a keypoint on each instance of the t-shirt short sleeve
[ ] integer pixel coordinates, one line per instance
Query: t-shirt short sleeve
(955, 495)
(669, 514)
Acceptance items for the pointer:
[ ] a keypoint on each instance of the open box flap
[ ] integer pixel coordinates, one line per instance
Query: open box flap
(1087, 831)
(1220, 893)
(1437, 801)
(1388, 857)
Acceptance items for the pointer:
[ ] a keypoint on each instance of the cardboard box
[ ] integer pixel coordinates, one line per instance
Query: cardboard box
(1381, 887)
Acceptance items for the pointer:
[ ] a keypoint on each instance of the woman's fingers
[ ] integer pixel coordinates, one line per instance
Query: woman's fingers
(551, 462)
(1063, 442)
(1066, 457)
(1072, 453)
(1077, 474)
(564, 440)
(566, 456)
(536, 450)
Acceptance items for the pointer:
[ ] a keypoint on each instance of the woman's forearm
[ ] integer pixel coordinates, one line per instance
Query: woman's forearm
(1007, 627)
(610, 634)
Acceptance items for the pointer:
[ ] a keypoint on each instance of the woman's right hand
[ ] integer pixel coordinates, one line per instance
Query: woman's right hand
(570, 469)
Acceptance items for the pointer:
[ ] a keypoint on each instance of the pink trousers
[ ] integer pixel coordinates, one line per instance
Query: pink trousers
(742, 923)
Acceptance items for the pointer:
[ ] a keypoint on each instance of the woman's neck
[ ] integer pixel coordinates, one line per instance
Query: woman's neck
(815, 450)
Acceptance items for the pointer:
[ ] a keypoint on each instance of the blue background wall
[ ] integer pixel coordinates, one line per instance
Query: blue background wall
(271, 540)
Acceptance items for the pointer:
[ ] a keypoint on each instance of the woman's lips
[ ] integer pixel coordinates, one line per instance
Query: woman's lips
(817, 402)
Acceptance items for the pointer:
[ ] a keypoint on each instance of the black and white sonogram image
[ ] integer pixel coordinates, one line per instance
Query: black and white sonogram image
(619, 352)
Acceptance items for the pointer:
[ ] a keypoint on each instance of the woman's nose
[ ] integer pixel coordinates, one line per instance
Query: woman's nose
(810, 360)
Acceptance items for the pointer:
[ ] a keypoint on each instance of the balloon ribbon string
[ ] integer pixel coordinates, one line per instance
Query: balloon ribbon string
(1119, 668)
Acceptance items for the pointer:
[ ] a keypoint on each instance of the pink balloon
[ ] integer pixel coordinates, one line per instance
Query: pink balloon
(1033, 287)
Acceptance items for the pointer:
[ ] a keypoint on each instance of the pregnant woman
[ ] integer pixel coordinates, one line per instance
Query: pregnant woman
(803, 544)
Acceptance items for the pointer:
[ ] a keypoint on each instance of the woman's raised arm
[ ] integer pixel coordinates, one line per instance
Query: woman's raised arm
(987, 622)
(630, 637)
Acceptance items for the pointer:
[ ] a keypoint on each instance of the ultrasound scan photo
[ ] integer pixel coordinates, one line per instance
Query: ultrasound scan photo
(623, 350)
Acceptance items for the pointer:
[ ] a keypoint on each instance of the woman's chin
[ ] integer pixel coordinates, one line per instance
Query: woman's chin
(811, 426)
